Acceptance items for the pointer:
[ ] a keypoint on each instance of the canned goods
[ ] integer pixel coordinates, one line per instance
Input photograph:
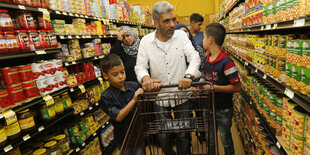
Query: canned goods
(52, 84)
(307, 149)
(300, 121)
(38, 71)
(288, 137)
(58, 66)
(42, 86)
(30, 89)
(25, 73)
(11, 76)
(298, 145)
(49, 68)
(4, 98)
(61, 80)
(290, 111)
(16, 94)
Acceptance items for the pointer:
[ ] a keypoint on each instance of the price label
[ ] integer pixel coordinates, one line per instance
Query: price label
(70, 14)
(43, 10)
(41, 128)
(94, 134)
(104, 36)
(82, 88)
(65, 13)
(48, 100)
(275, 26)
(71, 89)
(78, 37)
(66, 64)
(83, 37)
(83, 144)
(100, 80)
(251, 103)
(100, 36)
(41, 52)
(46, 16)
(22, 7)
(96, 58)
(289, 93)
(96, 104)
(58, 12)
(268, 27)
(10, 117)
(76, 15)
(111, 35)
(82, 113)
(62, 37)
(278, 145)
(265, 76)
(90, 108)
(70, 37)
(299, 22)
(256, 70)
(81, 16)
(73, 62)
(77, 149)
(102, 126)
(88, 36)
(246, 63)
(86, 17)
(25, 138)
(8, 148)
(101, 56)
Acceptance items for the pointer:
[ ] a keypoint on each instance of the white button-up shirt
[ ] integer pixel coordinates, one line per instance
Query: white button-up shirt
(167, 65)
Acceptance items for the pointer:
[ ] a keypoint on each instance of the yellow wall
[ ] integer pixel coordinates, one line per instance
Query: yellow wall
(185, 7)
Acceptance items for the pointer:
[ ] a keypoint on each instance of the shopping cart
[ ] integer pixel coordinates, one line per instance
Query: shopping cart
(146, 127)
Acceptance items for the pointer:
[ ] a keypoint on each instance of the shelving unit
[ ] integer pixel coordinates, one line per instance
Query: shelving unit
(8, 56)
(300, 99)
(236, 3)
(63, 37)
(84, 60)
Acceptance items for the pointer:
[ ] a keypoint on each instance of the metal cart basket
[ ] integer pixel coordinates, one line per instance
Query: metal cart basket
(147, 127)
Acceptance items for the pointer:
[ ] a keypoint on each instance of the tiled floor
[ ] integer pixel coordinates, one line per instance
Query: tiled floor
(237, 144)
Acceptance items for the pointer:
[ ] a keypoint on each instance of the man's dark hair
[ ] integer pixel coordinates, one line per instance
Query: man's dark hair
(109, 62)
(195, 17)
(217, 31)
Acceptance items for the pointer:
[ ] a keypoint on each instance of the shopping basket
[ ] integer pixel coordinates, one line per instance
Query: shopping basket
(146, 126)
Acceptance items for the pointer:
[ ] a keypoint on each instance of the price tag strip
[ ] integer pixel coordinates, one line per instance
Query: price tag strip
(265, 76)
(278, 145)
(62, 37)
(78, 37)
(48, 100)
(94, 134)
(70, 37)
(77, 149)
(82, 88)
(100, 80)
(246, 63)
(299, 22)
(97, 104)
(82, 113)
(22, 7)
(73, 62)
(25, 138)
(289, 93)
(90, 108)
(256, 70)
(83, 144)
(41, 128)
(41, 52)
(8, 148)
(268, 27)
(71, 89)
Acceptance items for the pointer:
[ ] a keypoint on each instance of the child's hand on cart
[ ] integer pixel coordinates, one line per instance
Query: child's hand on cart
(137, 93)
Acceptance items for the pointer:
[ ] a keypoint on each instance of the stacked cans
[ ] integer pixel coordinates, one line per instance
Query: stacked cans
(16, 85)
(49, 76)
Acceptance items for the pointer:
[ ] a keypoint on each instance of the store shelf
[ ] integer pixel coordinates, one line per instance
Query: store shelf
(236, 3)
(69, 63)
(303, 22)
(282, 142)
(264, 123)
(8, 56)
(84, 85)
(90, 109)
(296, 96)
(86, 36)
(26, 136)
(90, 138)
(130, 23)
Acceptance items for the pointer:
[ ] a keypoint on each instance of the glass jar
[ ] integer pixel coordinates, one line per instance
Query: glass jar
(52, 147)
(12, 42)
(48, 112)
(66, 100)
(52, 38)
(6, 23)
(3, 137)
(13, 130)
(44, 24)
(58, 105)
(3, 45)
(26, 120)
(25, 20)
(43, 36)
(35, 40)
(38, 145)
(23, 40)
(41, 151)
(27, 151)
(63, 143)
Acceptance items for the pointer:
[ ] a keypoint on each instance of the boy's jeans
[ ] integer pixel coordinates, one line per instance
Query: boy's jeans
(224, 123)
(183, 139)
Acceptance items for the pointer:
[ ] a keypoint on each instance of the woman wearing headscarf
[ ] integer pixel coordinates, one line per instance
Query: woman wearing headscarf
(126, 47)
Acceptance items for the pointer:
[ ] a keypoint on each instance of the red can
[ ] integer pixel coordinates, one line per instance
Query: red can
(52, 38)
(84, 78)
(3, 45)
(79, 78)
(35, 40)
(16, 94)
(11, 76)
(12, 42)
(85, 67)
(88, 76)
(30, 89)
(49, 68)
(6, 23)
(90, 66)
(52, 84)
(43, 37)
(25, 73)
(4, 98)
(37, 70)
(26, 20)
(44, 24)
(23, 40)
(42, 86)
(61, 80)
(58, 66)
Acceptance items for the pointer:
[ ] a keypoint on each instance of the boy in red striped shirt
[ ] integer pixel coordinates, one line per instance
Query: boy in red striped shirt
(220, 69)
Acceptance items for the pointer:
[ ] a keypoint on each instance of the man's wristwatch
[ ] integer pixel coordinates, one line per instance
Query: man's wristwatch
(188, 76)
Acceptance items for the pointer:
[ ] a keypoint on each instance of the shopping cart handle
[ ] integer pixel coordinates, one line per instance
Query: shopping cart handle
(194, 84)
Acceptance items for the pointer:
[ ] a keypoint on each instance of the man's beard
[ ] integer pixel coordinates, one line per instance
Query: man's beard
(165, 33)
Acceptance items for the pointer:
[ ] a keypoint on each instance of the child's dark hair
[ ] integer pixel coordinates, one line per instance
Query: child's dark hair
(195, 17)
(217, 31)
(109, 62)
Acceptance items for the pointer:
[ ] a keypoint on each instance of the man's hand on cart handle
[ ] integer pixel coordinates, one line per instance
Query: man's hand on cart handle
(185, 83)
(149, 84)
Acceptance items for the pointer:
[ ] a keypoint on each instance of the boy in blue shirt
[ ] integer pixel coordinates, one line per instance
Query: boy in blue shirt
(119, 100)
(220, 69)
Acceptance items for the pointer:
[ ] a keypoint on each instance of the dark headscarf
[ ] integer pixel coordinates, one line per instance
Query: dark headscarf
(133, 49)
(190, 34)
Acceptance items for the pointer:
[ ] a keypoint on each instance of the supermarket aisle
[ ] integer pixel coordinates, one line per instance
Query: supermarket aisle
(237, 143)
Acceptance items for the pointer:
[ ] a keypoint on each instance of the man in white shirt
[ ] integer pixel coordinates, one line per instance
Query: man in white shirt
(164, 53)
